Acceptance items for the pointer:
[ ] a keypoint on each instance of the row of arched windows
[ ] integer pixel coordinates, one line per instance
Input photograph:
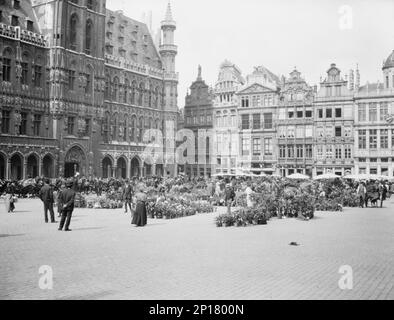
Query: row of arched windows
(121, 127)
(75, 27)
(132, 93)
(30, 71)
(90, 4)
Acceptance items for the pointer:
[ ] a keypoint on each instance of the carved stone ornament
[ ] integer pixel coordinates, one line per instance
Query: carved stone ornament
(75, 154)
(81, 125)
(18, 120)
(46, 121)
(65, 119)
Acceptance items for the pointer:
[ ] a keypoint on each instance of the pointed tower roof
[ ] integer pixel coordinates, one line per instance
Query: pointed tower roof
(168, 20)
(389, 63)
(169, 13)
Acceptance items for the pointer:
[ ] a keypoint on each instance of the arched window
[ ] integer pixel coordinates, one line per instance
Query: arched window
(125, 124)
(114, 130)
(7, 65)
(107, 86)
(115, 90)
(25, 66)
(73, 31)
(126, 90)
(89, 80)
(133, 128)
(88, 36)
(133, 92)
(156, 98)
(141, 95)
(141, 129)
(150, 97)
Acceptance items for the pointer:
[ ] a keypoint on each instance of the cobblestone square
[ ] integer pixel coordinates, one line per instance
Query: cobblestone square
(104, 257)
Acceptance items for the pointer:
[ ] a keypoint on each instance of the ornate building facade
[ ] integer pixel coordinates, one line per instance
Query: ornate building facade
(225, 125)
(92, 82)
(258, 102)
(374, 125)
(295, 126)
(334, 124)
(198, 113)
(27, 144)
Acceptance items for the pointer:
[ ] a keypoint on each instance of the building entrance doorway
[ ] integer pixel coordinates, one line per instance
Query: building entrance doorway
(70, 169)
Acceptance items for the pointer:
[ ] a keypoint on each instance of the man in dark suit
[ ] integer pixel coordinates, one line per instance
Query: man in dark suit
(46, 195)
(67, 198)
(229, 196)
(127, 195)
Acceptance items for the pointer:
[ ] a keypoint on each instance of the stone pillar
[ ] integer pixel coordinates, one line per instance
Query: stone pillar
(142, 173)
(128, 164)
(8, 168)
(153, 169)
(114, 169)
(24, 168)
(39, 166)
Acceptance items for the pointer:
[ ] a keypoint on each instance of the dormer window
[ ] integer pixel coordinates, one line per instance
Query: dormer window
(29, 25)
(14, 21)
(17, 4)
(89, 4)
(122, 52)
(109, 49)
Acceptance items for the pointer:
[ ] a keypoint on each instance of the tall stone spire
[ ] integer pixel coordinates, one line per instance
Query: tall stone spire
(168, 13)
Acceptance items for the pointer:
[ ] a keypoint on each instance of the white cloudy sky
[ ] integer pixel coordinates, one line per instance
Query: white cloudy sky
(278, 34)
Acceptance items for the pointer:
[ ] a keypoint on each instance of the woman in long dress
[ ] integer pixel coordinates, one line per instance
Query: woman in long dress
(140, 217)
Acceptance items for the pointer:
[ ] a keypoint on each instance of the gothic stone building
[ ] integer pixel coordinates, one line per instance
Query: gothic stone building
(27, 144)
(68, 101)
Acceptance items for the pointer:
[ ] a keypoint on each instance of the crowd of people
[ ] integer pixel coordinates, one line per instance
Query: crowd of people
(373, 192)
(62, 192)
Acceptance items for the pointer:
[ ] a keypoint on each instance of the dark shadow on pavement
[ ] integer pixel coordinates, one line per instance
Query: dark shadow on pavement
(88, 228)
(11, 235)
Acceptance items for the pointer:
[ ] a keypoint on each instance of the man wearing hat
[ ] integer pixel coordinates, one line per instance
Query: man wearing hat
(229, 196)
(67, 199)
(127, 195)
(46, 196)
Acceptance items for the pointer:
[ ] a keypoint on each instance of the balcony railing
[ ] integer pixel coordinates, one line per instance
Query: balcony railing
(27, 140)
(133, 66)
(16, 33)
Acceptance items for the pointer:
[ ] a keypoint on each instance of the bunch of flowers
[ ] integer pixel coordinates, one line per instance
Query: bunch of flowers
(174, 207)
(242, 218)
